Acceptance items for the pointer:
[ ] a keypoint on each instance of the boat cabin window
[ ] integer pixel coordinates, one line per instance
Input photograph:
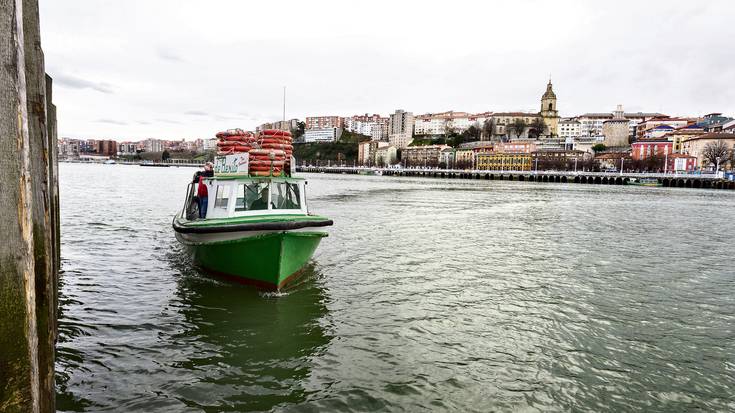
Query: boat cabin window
(251, 196)
(222, 198)
(285, 196)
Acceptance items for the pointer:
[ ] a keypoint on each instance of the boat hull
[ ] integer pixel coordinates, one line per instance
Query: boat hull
(268, 260)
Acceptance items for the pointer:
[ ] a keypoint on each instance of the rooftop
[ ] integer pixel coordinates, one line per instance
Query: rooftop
(530, 114)
(626, 114)
(712, 135)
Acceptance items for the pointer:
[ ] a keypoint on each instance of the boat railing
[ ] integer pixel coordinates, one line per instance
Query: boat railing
(187, 201)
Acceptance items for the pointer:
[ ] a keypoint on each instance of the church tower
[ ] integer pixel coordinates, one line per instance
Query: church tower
(548, 111)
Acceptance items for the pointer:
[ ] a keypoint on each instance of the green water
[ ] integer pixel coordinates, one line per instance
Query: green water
(428, 295)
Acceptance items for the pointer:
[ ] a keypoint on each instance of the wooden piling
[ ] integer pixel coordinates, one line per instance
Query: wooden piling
(43, 250)
(29, 258)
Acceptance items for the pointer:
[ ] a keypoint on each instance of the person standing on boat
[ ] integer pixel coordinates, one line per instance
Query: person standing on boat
(202, 193)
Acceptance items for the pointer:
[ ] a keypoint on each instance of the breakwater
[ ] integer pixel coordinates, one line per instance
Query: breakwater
(595, 178)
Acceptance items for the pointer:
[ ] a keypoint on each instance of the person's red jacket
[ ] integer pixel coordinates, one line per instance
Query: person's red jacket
(202, 189)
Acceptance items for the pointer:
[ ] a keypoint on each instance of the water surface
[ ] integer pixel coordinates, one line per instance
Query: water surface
(428, 295)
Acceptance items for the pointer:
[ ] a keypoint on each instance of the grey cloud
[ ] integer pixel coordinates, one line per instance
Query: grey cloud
(169, 55)
(111, 121)
(79, 83)
(143, 122)
(225, 117)
(175, 122)
(196, 113)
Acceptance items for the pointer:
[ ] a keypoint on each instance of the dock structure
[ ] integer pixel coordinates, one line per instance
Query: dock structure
(712, 181)
(29, 215)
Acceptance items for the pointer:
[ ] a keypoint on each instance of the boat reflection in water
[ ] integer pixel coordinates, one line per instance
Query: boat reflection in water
(251, 350)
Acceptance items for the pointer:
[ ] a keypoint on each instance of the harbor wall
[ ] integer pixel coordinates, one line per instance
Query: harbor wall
(594, 178)
(29, 215)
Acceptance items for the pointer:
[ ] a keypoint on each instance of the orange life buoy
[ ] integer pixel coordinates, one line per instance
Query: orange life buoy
(232, 132)
(265, 173)
(267, 152)
(276, 132)
(274, 140)
(276, 146)
(265, 168)
(265, 158)
(259, 162)
(238, 138)
(233, 143)
(266, 136)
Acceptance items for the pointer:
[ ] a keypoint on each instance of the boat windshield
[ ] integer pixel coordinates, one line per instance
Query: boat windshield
(285, 196)
(251, 196)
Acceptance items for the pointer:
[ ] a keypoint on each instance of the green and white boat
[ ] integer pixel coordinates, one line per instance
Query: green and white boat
(257, 229)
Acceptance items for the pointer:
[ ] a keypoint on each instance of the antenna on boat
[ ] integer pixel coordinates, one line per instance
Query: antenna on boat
(283, 125)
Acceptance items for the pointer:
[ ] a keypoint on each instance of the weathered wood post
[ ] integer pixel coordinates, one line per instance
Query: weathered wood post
(28, 215)
(43, 249)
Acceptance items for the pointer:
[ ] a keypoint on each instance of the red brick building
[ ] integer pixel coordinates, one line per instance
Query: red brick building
(654, 147)
(324, 122)
(107, 148)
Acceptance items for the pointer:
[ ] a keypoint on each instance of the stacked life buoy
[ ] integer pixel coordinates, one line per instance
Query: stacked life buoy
(269, 153)
(276, 148)
(234, 141)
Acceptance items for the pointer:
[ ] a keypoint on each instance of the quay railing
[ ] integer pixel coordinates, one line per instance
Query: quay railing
(698, 175)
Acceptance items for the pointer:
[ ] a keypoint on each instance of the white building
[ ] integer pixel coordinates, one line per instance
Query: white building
(570, 128)
(68, 148)
(153, 145)
(289, 125)
(585, 143)
(400, 140)
(374, 126)
(127, 148)
(322, 135)
(437, 124)
(400, 128)
(591, 123)
(386, 155)
(209, 144)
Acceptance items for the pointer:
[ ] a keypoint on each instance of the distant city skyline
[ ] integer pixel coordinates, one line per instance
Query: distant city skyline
(170, 70)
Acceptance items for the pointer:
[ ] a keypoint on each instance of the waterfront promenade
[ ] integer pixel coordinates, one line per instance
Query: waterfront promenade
(170, 162)
(713, 181)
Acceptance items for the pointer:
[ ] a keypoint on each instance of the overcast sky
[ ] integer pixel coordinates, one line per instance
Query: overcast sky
(186, 69)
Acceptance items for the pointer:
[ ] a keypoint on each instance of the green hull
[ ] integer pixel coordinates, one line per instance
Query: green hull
(269, 260)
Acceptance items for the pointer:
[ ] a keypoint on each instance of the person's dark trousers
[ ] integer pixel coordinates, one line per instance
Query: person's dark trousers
(202, 206)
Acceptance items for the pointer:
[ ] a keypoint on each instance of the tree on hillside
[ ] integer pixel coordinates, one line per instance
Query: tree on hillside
(165, 156)
(472, 133)
(714, 150)
(299, 131)
(537, 128)
(449, 131)
(600, 147)
(517, 127)
(488, 129)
